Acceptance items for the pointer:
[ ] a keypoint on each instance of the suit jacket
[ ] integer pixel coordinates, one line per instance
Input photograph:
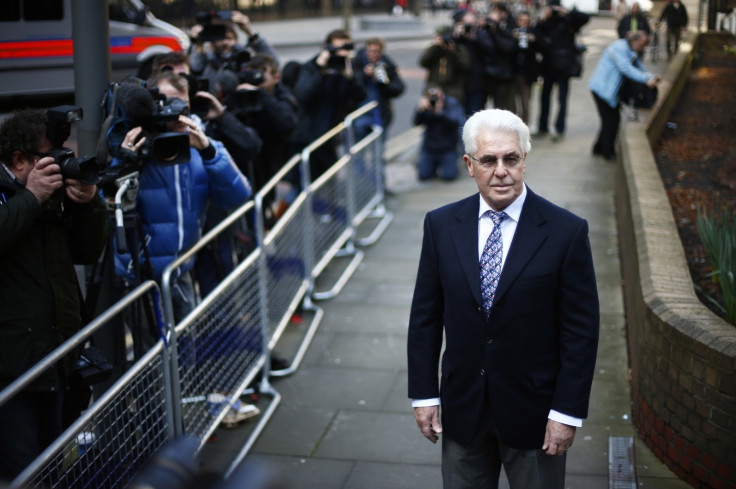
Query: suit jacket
(536, 351)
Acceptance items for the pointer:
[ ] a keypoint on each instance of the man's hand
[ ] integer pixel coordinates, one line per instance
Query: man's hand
(197, 138)
(242, 21)
(216, 109)
(558, 438)
(79, 192)
(428, 420)
(44, 179)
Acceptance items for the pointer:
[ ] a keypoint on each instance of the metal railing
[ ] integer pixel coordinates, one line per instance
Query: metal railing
(120, 431)
(726, 22)
(202, 364)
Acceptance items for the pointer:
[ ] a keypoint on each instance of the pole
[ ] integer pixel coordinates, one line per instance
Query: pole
(91, 37)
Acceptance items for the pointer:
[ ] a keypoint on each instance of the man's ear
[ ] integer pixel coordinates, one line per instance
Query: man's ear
(469, 164)
(16, 160)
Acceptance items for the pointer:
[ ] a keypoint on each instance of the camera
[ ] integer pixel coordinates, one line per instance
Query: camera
(85, 168)
(212, 31)
(138, 106)
(235, 61)
(58, 129)
(433, 95)
(380, 73)
(336, 63)
(523, 39)
(348, 46)
(251, 77)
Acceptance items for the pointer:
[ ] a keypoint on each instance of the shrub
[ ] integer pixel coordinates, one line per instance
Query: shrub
(717, 230)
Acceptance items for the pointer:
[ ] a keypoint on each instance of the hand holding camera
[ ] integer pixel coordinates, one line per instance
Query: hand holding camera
(79, 192)
(44, 179)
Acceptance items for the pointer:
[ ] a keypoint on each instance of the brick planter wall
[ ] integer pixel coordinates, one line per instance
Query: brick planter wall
(682, 356)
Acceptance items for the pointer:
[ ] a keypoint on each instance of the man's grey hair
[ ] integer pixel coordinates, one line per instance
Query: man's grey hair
(495, 120)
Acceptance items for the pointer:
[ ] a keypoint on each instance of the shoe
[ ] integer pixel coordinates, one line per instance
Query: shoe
(540, 134)
(238, 413)
(610, 157)
(557, 138)
(597, 151)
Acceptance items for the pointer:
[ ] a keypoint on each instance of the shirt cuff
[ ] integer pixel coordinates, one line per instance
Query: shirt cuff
(425, 402)
(565, 419)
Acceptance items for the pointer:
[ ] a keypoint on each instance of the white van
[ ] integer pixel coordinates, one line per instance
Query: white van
(36, 49)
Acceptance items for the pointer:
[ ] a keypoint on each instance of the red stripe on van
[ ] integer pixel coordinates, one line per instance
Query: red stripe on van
(64, 47)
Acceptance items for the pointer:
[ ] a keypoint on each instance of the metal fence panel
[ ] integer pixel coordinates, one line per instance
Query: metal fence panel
(220, 349)
(115, 437)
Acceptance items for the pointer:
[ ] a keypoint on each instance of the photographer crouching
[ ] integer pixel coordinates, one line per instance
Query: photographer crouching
(174, 189)
(50, 220)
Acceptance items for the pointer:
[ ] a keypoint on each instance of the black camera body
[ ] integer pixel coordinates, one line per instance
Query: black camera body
(212, 31)
(58, 129)
(85, 168)
(137, 106)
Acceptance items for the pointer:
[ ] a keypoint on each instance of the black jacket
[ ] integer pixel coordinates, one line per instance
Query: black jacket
(39, 295)
(557, 40)
(324, 100)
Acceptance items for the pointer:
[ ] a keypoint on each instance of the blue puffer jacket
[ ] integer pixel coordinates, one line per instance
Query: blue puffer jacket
(172, 202)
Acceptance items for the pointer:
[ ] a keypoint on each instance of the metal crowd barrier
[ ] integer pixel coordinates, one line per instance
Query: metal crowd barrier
(198, 370)
(120, 431)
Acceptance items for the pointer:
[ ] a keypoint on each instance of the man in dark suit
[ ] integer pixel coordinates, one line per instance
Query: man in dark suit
(519, 311)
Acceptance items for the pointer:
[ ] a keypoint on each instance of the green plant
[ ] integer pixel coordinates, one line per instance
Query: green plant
(717, 230)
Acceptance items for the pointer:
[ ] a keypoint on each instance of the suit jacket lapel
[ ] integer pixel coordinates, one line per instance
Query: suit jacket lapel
(465, 235)
(531, 232)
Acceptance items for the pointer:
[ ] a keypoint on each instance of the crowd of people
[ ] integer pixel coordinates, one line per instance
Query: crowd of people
(243, 115)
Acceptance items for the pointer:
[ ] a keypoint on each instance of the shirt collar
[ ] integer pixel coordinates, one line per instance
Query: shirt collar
(513, 210)
(12, 175)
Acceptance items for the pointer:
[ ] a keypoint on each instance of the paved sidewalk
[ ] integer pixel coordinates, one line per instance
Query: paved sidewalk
(345, 421)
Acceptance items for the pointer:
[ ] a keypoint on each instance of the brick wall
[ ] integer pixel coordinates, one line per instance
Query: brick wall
(682, 356)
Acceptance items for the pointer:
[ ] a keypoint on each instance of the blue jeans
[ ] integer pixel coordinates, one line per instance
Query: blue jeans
(438, 164)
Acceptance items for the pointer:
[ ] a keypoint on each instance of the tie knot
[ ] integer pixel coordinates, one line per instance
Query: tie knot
(497, 217)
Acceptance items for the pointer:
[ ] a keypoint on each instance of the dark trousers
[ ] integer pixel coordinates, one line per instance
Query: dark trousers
(673, 40)
(562, 82)
(478, 465)
(610, 119)
(28, 424)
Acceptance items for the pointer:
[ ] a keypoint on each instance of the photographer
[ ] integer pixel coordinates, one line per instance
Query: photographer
(259, 100)
(172, 198)
(525, 64)
(499, 67)
(49, 222)
(442, 117)
(381, 82)
(447, 64)
(217, 43)
(556, 36)
(327, 89)
(477, 42)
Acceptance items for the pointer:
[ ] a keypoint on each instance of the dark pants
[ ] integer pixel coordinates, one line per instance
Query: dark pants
(562, 82)
(673, 40)
(610, 119)
(478, 465)
(28, 424)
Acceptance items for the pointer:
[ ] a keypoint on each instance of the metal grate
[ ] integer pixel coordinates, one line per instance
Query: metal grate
(621, 470)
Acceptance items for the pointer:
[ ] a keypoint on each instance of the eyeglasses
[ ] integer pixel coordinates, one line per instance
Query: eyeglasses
(489, 161)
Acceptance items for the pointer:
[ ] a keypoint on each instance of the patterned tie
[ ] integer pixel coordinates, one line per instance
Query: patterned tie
(490, 261)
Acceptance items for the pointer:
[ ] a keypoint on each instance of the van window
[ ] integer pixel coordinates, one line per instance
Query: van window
(10, 11)
(32, 10)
